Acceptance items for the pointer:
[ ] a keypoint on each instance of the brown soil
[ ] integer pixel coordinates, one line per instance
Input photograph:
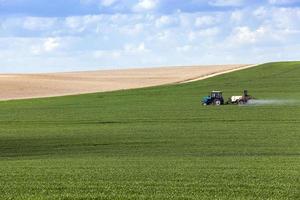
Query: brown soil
(23, 86)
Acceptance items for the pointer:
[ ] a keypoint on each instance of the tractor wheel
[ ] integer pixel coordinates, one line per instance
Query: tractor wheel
(217, 102)
(241, 102)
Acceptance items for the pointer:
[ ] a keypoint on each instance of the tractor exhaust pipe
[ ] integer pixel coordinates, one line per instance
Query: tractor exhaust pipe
(245, 93)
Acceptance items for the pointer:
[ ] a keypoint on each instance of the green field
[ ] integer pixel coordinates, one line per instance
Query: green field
(157, 143)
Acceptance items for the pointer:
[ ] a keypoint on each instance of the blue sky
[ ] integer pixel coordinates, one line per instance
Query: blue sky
(56, 35)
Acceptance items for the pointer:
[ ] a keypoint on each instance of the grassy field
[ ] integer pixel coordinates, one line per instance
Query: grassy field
(157, 143)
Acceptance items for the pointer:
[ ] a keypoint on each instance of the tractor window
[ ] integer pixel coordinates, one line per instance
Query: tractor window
(216, 95)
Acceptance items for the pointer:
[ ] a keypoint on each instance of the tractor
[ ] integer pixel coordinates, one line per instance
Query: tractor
(215, 98)
(240, 99)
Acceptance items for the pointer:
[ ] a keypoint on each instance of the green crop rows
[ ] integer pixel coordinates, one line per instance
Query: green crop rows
(157, 143)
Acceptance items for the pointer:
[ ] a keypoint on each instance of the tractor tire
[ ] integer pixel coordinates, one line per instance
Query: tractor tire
(241, 102)
(217, 102)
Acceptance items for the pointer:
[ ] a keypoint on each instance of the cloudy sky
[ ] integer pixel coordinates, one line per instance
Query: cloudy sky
(56, 35)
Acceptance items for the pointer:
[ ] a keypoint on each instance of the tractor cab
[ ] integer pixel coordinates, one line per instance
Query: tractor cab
(216, 94)
(215, 98)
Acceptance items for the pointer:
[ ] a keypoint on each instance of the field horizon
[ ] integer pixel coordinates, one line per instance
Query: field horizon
(157, 142)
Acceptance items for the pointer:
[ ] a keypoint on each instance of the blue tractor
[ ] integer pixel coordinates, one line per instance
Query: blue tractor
(215, 98)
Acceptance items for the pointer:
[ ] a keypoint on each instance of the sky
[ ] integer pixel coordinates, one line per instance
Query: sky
(69, 35)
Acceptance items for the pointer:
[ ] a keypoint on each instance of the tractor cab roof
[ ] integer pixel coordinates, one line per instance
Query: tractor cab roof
(216, 91)
(216, 94)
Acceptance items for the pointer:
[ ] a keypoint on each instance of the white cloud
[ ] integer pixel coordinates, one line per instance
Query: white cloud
(186, 48)
(237, 16)
(145, 5)
(118, 39)
(38, 23)
(88, 24)
(100, 54)
(108, 3)
(135, 49)
(245, 35)
(260, 12)
(226, 2)
(74, 23)
(51, 44)
(186, 20)
(40, 46)
(286, 18)
(164, 36)
(203, 34)
(205, 21)
(164, 21)
(132, 30)
(102, 4)
(127, 50)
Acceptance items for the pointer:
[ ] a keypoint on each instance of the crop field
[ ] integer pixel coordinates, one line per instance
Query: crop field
(158, 142)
